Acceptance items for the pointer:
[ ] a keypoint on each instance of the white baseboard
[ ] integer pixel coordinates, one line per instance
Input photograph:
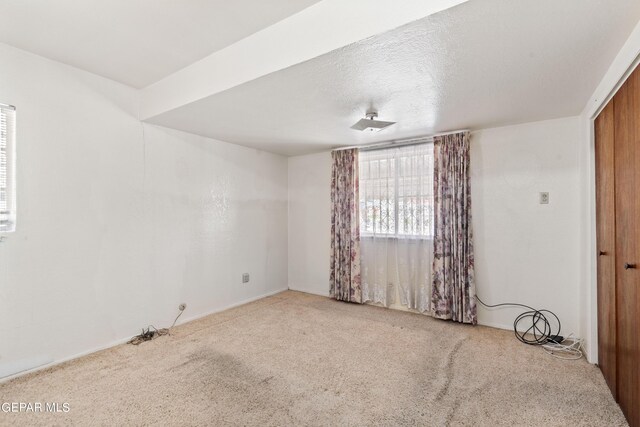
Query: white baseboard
(124, 340)
(63, 360)
(496, 325)
(308, 291)
(230, 306)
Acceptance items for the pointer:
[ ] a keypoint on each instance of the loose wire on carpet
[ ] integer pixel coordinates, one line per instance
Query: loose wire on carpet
(540, 331)
(152, 332)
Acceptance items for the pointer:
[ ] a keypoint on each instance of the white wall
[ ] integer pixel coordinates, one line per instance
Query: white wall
(525, 251)
(115, 230)
(309, 222)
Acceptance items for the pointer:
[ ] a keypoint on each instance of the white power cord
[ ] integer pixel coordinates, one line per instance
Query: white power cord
(569, 349)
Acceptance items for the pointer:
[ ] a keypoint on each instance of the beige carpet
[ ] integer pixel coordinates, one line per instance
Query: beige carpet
(297, 359)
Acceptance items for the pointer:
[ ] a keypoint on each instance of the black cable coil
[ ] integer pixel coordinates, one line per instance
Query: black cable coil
(538, 331)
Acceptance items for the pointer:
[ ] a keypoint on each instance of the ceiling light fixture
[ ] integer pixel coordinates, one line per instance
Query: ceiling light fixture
(370, 123)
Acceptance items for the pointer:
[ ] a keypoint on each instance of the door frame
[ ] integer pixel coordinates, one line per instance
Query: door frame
(626, 61)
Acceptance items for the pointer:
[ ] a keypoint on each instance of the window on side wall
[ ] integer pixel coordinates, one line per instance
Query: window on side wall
(7, 168)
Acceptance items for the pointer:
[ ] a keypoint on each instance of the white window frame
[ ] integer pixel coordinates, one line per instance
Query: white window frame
(7, 168)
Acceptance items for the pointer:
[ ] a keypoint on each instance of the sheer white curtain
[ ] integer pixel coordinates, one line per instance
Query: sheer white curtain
(396, 225)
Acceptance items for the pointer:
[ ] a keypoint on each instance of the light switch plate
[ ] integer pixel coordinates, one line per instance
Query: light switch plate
(544, 198)
(245, 278)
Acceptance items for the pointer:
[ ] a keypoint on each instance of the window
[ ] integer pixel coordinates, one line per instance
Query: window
(396, 191)
(7, 169)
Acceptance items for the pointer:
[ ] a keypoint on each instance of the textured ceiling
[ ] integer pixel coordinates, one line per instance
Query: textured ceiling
(135, 42)
(484, 63)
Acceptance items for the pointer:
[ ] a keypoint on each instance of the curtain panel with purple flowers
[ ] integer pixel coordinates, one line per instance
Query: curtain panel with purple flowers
(345, 227)
(453, 290)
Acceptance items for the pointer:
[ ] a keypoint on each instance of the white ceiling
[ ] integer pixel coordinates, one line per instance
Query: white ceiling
(484, 63)
(133, 41)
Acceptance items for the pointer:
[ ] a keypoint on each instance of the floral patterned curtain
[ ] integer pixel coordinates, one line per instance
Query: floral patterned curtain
(345, 227)
(453, 290)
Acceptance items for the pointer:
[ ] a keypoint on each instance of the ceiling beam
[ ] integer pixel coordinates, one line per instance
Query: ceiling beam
(319, 29)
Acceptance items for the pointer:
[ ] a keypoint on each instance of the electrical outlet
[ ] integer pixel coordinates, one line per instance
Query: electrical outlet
(182, 306)
(544, 198)
(245, 278)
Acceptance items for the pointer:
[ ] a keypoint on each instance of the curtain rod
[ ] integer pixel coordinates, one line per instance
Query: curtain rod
(399, 142)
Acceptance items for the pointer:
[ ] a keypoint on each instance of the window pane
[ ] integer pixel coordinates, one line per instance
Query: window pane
(396, 185)
(7, 163)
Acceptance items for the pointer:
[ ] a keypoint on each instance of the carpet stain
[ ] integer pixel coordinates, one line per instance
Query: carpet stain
(447, 370)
